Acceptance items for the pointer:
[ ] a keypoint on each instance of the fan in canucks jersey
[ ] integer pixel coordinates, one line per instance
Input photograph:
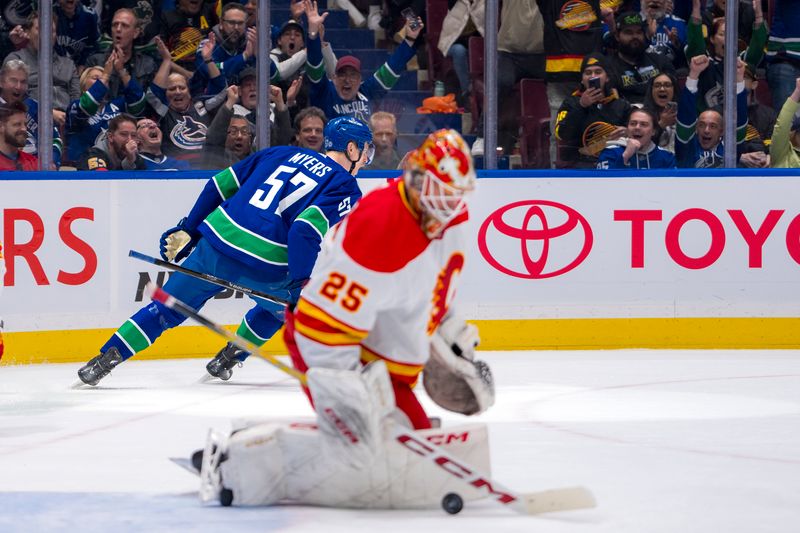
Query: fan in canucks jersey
(347, 95)
(258, 223)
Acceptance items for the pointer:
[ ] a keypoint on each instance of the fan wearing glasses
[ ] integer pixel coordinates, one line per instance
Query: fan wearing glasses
(235, 47)
(236, 144)
(148, 138)
(13, 135)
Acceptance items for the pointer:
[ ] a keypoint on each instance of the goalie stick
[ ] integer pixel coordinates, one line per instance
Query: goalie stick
(531, 503)
(207, 277)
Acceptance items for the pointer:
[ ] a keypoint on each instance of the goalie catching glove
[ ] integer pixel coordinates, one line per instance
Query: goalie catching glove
(452, 378)
(178, 242)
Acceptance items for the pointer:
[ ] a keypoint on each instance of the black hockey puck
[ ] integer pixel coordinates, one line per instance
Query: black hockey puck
(226, 497)
(452, 503)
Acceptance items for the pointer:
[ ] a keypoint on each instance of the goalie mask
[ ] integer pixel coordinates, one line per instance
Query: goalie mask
(442, 173)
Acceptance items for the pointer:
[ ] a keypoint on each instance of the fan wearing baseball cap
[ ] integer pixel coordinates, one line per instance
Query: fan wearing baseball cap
(591, 115)
(632, 66)
(289, 56)
(349, 94)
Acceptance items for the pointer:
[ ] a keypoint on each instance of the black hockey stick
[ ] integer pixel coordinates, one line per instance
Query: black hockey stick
(530, 503)
(207, 277)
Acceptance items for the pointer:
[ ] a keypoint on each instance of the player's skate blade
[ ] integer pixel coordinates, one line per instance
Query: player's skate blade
(186, 464)
(192, 465)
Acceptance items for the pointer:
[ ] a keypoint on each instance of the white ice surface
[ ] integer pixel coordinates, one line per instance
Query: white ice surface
(668, 441)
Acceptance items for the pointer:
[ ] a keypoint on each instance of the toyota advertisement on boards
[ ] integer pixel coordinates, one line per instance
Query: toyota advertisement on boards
(635, 247)
(597, 247)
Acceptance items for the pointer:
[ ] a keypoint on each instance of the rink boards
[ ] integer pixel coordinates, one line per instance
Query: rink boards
(583, 260)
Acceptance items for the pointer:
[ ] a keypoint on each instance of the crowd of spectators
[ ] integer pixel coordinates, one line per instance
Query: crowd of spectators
(171, 84)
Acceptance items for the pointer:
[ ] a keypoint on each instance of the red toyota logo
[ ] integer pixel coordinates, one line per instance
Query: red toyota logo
(555, 221)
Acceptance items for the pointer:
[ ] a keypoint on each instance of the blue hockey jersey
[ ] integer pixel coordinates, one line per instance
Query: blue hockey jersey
(32, 144)
(656, 157)
(323, 92)
(162, 162)
(230, 63)
(271, 210)
(77, 37)
(687, 147)
(88, 116)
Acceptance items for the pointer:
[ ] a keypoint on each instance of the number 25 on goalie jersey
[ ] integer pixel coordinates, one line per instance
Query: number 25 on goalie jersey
(272, 209)
(379, 289)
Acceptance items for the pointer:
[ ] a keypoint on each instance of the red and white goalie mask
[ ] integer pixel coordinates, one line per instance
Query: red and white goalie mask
(442, 172)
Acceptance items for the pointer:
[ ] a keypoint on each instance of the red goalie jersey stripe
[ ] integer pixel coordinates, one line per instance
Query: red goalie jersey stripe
(383, 233)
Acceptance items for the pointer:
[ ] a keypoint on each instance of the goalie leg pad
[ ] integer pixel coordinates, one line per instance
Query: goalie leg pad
(421, 477)
(267, 463)
(254, 469)
(350, 406)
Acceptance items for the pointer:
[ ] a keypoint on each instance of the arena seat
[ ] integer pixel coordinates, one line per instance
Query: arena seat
(476, 75)
(438, 65)
(534, 141)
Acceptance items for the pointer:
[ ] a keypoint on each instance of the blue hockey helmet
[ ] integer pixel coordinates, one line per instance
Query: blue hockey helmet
(342, 130)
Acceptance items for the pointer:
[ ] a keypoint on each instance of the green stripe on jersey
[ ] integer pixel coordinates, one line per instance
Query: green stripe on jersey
(246, 332)
(244, 240)
(741, 133)
(685, 132)
(226, 182)
(316, 218)
(776, 44)
(315, 72)
(137, 107)
(133, 336)
(386, 77)
(88, 104)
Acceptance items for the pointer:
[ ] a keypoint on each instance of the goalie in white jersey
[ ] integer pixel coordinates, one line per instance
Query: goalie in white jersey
(373, 317)
(384, 280)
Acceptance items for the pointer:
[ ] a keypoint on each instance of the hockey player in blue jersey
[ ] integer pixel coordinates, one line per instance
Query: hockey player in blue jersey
(258, 223)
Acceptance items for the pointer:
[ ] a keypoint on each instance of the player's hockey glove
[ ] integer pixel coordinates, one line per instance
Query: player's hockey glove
(178, 242)
(293, 288)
